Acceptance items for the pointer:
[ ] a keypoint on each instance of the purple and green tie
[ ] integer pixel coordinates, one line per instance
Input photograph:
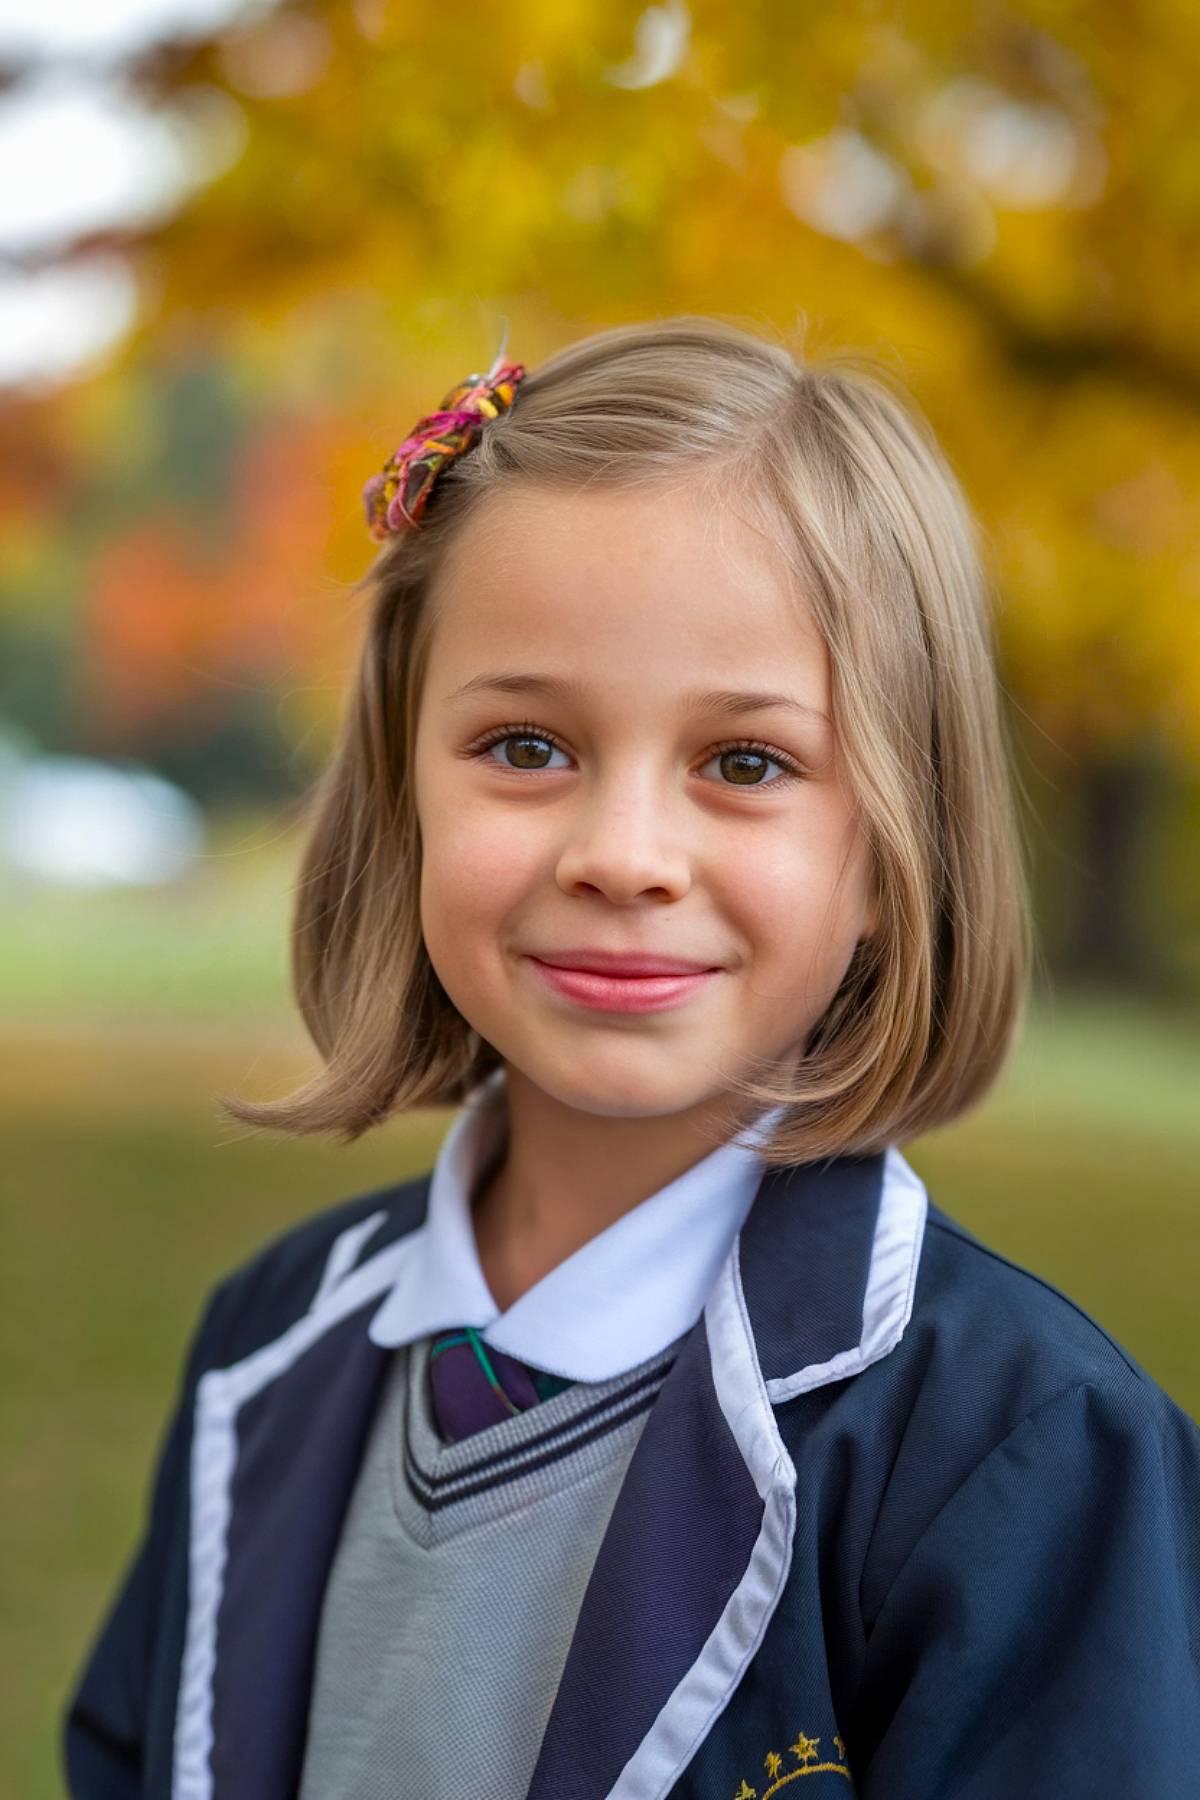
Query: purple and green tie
(473, 1385)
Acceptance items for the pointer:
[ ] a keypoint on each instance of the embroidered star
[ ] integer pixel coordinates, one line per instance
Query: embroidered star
(746, 1793)
(805, 1747)
(841, 1748)
(773, 1762)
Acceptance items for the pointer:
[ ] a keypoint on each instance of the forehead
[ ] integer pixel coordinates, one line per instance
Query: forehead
(650, 581)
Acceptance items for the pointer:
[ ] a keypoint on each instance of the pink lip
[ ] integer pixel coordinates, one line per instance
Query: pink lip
(622, 993)
(623, 962)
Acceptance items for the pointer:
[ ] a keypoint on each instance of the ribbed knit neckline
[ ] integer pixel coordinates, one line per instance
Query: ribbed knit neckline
(441, 1488)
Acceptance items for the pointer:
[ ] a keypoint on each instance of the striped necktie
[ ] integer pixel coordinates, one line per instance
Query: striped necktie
(473, 1385)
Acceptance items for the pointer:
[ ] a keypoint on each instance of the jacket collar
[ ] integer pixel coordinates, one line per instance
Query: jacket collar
(818, 1284)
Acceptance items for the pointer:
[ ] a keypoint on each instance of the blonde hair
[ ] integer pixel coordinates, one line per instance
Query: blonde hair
(848, 480)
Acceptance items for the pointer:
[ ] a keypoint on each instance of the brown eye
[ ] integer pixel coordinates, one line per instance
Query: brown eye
(529, 754)
(744, 764)
(528, 750)
(744, 767)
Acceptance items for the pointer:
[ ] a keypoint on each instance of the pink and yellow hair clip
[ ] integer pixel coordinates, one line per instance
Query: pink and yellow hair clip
(395, 499)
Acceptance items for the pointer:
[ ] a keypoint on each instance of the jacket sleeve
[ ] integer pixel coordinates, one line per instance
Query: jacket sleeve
(1042, 1638)
(104, 1729)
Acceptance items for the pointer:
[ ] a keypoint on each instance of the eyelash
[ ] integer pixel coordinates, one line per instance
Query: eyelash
(501, 732)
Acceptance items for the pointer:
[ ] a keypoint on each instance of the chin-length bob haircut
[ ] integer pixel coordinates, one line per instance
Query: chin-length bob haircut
(846, 478)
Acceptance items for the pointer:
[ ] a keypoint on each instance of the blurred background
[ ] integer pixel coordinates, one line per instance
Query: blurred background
(242, 247)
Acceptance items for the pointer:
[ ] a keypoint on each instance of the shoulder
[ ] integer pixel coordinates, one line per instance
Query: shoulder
(1028, 1595)
(997, 1341)
(995, 1360)
(279, 1282)
(986, 1313)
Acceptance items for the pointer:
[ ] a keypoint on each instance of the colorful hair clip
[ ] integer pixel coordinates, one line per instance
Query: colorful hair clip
(395, 499)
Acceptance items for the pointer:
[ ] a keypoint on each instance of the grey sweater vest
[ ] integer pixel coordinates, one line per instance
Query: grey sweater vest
(456, 1585)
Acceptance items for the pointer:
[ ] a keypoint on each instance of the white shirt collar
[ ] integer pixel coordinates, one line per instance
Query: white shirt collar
(616, 1301)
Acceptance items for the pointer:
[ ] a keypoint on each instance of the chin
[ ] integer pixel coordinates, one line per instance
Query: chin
(618, 1086)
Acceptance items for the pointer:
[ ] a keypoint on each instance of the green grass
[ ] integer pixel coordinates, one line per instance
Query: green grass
(210, 946)
(127, 1193)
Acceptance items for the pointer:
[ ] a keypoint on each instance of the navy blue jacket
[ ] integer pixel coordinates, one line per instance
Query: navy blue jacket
(903, 1520)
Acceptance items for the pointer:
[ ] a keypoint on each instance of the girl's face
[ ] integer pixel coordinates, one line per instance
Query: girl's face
(585, 781)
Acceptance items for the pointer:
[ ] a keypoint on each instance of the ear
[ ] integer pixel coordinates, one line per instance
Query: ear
(870, 920)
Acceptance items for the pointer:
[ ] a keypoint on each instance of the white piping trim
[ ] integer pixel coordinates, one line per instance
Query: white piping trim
(891, 1282)
(748, 1402)
(219, 1395)
(344, 1255)
(704, 1691)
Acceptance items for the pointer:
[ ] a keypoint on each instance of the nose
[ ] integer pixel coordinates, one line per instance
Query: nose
(624, 841)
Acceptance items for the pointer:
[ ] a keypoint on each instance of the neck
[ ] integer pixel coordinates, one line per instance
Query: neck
(564, 1176)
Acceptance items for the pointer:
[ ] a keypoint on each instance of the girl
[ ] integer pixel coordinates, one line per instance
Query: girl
(663, 1440)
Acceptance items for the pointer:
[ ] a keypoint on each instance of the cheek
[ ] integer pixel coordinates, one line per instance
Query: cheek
(800, 896)
(474, 869)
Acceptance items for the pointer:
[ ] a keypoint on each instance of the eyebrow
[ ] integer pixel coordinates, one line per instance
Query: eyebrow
(695, 702)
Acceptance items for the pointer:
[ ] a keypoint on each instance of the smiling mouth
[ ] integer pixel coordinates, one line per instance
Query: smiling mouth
(629, 965)
(608, 992)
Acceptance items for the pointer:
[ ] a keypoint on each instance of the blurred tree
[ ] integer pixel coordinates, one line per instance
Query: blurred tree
(1001, 204)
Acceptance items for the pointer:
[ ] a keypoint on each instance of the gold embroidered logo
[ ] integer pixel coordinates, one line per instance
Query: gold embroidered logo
(806, 1750)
